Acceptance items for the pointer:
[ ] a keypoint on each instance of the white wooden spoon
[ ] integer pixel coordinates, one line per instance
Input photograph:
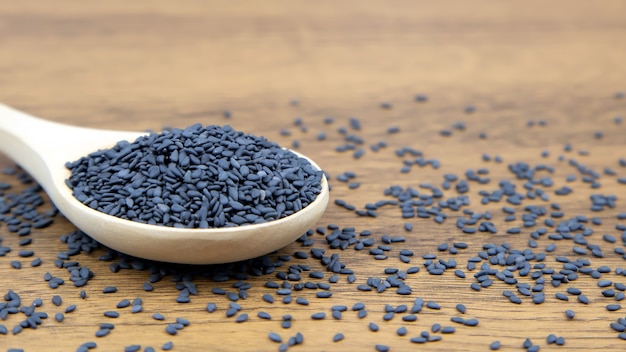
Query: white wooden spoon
(43, 147)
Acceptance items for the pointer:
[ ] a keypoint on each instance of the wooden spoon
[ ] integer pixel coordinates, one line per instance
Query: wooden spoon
(43, 147)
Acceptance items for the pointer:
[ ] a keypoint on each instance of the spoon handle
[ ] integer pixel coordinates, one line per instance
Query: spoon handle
(28, 140)
(42, 147)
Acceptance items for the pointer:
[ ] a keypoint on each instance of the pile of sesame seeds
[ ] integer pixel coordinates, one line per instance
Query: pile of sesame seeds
(562, 250)
(197, 177)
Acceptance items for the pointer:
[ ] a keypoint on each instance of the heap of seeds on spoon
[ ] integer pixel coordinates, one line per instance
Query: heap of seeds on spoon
(199, 177)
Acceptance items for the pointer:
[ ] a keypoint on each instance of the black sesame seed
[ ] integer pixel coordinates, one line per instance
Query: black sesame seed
(26, 253)
(471, 322)
(613, 307)
(583, 299)
(132, 348)
(268, 298)
(448, 330)
(89, 345)
(181, 299)
(242, 318)
(264, 315)
(102, 332)
(318, 316)
(170, 329)
(461, 308)
(358, 306)
(419, 339)
(534, 348)
(324, 294)
(274, 337)
(573, 291)
(458, 320)
(302, 301)
(17, 329)
(109, 289)
(433, 305)
(560, 341)
(617, 327)
(36, 262)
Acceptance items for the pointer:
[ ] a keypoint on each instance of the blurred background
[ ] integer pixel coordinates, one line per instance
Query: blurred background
(147, 60)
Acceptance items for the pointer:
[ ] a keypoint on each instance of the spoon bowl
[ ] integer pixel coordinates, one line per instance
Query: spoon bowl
(43, 147)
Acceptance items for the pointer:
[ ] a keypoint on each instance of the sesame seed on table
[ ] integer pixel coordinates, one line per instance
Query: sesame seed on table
(475, 152)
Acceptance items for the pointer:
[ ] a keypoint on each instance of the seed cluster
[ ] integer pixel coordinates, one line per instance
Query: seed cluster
(562, 249)
(199, 177)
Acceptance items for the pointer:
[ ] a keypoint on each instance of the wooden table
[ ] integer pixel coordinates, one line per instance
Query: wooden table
(146, 65)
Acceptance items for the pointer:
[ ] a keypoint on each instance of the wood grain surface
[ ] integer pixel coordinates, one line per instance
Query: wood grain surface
(150, 64)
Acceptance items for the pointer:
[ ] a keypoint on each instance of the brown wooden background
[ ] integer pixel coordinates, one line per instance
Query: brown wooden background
(145, 65)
